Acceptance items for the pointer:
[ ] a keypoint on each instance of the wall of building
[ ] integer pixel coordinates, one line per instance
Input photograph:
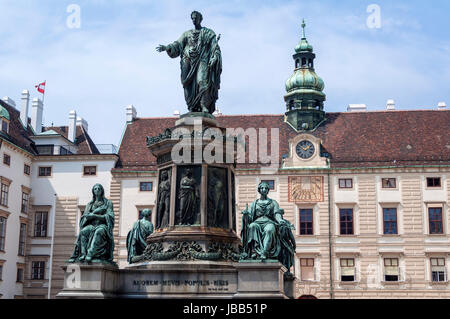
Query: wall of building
(65, 205)
(413, 246)
(9, 288)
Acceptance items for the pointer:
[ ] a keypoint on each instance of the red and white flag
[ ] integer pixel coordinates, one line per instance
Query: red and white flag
(41, 87)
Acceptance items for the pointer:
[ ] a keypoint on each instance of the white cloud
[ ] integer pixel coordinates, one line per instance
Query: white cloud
(111, 61)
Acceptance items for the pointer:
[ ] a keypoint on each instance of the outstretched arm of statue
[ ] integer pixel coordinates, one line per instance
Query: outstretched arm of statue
(161, 48)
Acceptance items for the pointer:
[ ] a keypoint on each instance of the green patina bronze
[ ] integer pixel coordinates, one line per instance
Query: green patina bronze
(217, 203)
(304, 97)
(95, 243)
(186, 251)
(201, 65)
(265, 234)
(136, 238)
(188, 204)
(162, 217)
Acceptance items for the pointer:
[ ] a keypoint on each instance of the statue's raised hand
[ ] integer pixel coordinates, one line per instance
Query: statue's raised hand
(161, 48)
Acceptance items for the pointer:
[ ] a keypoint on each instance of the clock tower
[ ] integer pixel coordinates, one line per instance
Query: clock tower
(304, 97)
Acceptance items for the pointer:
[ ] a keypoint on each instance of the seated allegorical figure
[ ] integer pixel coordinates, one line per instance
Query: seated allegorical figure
(265, 234)
(136, 238)
(95, 241)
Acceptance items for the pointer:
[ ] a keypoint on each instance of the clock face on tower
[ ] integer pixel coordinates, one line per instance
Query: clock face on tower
(305, 149)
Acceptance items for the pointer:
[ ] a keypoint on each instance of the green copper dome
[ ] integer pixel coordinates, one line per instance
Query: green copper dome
(4, 112)
(304, 79)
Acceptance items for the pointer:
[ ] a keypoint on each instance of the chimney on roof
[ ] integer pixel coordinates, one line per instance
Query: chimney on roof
(37, 108)
(82, 122)
(9, 101)
(24, 110)
(131, 113)
(442, 106)
(390, 105)
(356, 108)
(176, 113)
(72, 126)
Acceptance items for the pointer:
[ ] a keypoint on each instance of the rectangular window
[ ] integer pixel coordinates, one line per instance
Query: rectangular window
(5, 127)
(64, 151)
(6, 159)
(19, 275)
(438, 271)
(433, 182)
(435, 220)
(346, 221)
(306, 222)
(4, 195)
(22, 239)
(389, 183)
(390, 221)
(45, 171)
(1, 272)
(90, 170)
(347, 269)
(38, 270)
(25, 200)
(146, 186)
(346, 183)
(271, 184)
(26, 169)
(307, 269)
(2, 233)
(391, 270)
(40, 224)
(45, 149)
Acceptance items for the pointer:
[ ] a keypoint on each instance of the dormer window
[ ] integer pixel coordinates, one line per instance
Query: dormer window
(4, 119)
(45, 149)
(5, 125)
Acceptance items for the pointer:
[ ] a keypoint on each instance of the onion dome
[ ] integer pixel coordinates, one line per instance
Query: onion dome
(305, 80)
(305, 97)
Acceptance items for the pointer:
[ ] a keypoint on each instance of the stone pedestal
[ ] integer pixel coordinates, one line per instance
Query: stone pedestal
(260, 280)
(179, 280)
(176, 280)
(196, 186)
(90, 281)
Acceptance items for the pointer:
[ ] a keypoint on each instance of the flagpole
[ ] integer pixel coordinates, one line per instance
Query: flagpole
(43, 94)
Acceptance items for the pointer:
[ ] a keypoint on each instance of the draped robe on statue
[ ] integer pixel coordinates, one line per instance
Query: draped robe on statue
(200, 82)
(96, 237)
(260, 229)
(136, 238)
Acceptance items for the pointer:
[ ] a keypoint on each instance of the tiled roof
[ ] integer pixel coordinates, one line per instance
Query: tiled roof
(17, 135)
(359, 139)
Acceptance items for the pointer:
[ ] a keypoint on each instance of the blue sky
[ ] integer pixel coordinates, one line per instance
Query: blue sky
(111, 61)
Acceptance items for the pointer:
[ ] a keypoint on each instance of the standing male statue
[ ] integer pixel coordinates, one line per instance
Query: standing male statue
(201, 65)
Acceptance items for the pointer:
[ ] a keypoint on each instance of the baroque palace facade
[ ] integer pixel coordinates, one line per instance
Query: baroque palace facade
(368, 192)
